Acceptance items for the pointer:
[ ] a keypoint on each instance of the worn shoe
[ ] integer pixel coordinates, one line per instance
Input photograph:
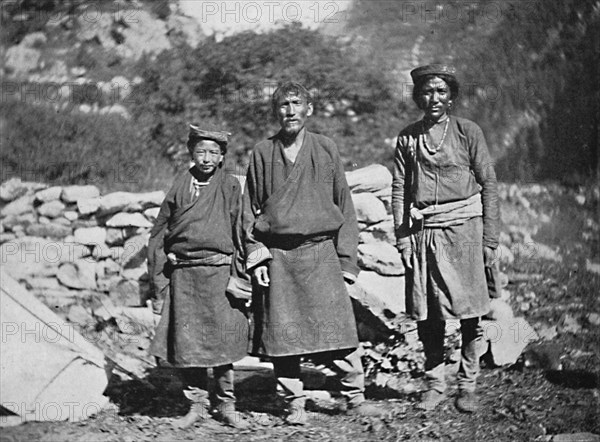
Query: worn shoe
(430, 400)
(365, 409)
(297, 412)
(228, 415)
(467, 401)
(198, 411)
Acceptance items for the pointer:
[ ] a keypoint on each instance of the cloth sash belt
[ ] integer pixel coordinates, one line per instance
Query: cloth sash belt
(448, 214)
(215, 259)
(439, 216)
(290, 242)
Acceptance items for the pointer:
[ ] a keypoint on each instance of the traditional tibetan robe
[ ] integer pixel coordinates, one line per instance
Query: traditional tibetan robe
(445, 205)
(299, 220)
(201, 325)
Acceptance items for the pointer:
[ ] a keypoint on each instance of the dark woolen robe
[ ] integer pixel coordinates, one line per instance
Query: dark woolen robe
(200, 324)
(299, 220)
(449, 283)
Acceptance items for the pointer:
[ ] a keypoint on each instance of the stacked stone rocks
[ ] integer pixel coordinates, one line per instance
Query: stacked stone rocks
(380, 285)
(68, 243)
(84, 254)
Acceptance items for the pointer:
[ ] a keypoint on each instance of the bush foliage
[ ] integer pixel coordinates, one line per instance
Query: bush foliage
(529, 79)
(228, 85)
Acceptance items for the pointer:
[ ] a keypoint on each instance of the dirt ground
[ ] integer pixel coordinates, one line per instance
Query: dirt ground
(553, 389)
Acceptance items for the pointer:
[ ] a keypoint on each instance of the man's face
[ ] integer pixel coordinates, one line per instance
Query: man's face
(435, 98)
(207, 155)
(292, 111)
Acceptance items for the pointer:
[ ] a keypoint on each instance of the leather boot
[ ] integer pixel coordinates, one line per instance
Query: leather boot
(296, 411)
(229, 416)
(199, 408)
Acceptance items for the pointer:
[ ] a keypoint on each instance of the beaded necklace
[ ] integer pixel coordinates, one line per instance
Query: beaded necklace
(435, 149)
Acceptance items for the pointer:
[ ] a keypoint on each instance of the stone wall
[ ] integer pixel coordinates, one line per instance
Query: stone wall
(84, 255)
(69, 244)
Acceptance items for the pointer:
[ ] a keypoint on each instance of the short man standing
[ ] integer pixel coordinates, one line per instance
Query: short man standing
(301, 237)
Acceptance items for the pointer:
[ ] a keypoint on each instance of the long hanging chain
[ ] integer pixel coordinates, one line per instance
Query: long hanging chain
(435, 149)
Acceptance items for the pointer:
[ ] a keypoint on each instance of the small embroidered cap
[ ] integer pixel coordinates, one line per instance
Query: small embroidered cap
(199, 134)
(433, 69)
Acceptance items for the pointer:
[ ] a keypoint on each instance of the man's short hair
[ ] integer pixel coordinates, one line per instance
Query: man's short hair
(289, 88)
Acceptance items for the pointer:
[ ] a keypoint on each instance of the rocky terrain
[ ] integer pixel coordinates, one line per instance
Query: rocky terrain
(83, 255)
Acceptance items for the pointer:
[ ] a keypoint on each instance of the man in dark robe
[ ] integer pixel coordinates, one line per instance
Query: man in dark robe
(191, 250)
(301, 237)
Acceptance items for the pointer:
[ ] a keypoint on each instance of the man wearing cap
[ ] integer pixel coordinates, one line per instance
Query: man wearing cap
(301, 237)
(192, 246)
(445, 205)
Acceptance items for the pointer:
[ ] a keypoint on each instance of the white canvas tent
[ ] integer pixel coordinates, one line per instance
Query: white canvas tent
(48, 371)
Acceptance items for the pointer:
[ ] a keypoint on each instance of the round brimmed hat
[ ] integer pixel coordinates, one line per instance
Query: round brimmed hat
(433, 69)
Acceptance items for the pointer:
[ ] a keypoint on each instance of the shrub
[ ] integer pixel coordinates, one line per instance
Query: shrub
(39, 144)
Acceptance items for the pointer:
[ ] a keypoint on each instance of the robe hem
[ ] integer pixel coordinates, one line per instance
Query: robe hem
(449, 318)
(302, 352)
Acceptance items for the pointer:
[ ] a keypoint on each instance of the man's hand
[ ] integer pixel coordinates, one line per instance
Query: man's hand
(489, 256)
(261, 273)
(406, 254)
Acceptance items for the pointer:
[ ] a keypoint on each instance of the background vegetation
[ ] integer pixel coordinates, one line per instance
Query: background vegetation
(529, 76)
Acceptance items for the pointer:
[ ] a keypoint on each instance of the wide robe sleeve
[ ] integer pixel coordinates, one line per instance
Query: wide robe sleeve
(256, 252)
(239, 284)
(483, 169)
(347, 237)
(401, 190)
(157, 258)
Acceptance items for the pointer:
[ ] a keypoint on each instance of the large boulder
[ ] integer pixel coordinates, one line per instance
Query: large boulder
(23, 220)
(126, 292)
(385, 294)
(49, 194)
(115, 236)
(88, 206)
(18, 206)
(71, 194)
(49, 230)
(15, 188)
(124, 219)
(507, 339)
(80, 274)
(51, 209)
(117, 201)
(369, 179)
(372, 324)
(381, 257)
(383, 231)
(369, 209)
(135, 250)
(40, 283)
(93, 236)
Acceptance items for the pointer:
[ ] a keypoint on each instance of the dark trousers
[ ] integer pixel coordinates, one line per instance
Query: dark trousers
(348, 367)
(195, 381)
(432, 333)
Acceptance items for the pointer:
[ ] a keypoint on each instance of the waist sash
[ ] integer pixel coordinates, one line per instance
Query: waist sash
(214, 259)
(448, 214)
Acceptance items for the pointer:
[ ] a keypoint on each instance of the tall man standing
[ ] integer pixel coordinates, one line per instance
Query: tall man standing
(301, 236)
